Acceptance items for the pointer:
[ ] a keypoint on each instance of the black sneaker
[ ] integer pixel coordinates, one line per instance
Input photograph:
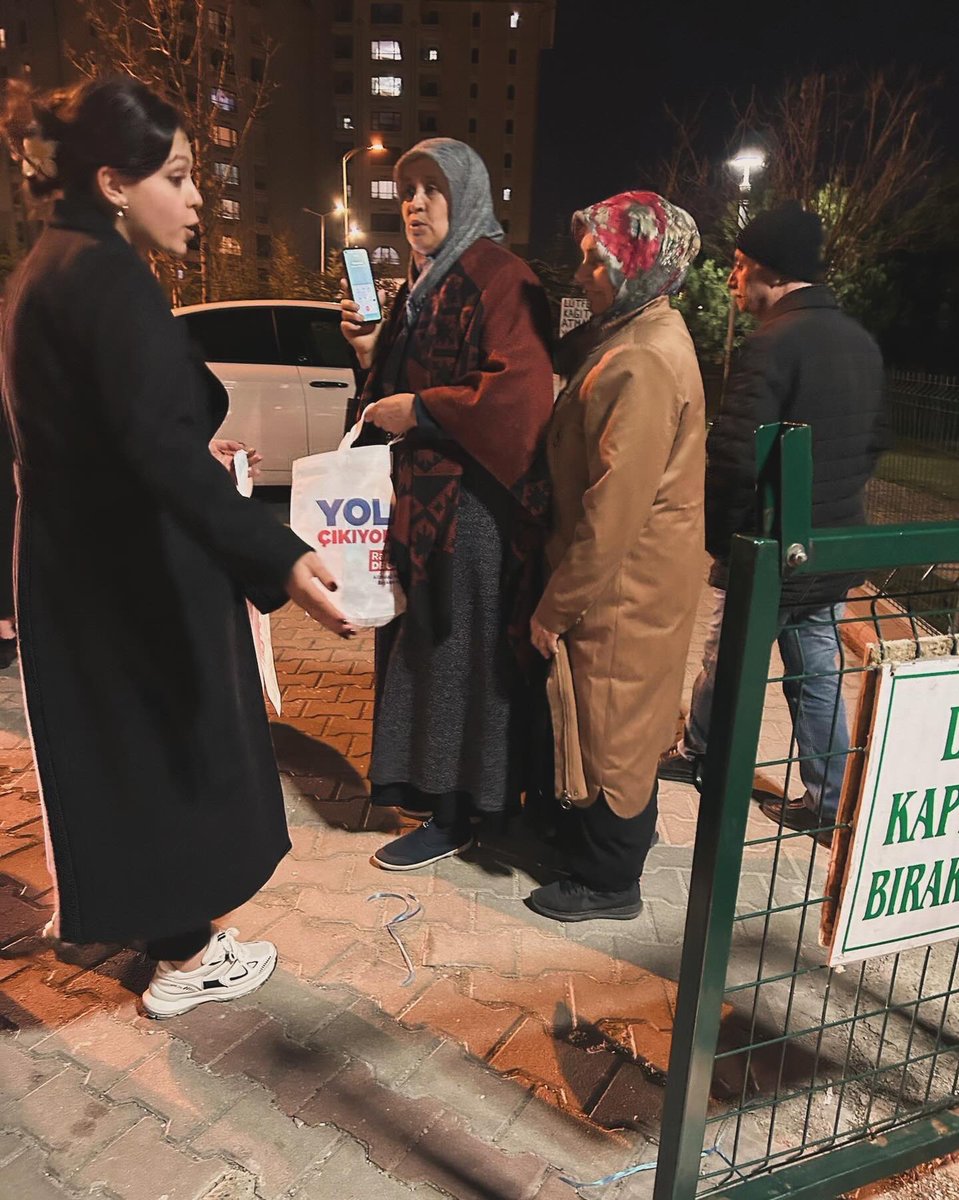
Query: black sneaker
(422, 846)
(570, 900)
(796, 815)
(679, 767)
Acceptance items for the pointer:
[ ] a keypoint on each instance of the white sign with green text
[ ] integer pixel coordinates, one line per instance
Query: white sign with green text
(902, 884)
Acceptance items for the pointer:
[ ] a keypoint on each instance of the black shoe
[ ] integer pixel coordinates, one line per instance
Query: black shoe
(798, 816)
(422, 846)
(570, 900)
(679, 767)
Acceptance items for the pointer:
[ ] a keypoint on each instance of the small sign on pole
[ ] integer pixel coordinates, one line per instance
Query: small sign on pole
(901, 886)
(573, 311)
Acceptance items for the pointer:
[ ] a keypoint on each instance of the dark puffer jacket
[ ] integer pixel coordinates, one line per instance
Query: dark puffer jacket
(809, 363)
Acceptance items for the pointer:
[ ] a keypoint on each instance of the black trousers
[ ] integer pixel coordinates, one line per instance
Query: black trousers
(180, 946)
(607, 852)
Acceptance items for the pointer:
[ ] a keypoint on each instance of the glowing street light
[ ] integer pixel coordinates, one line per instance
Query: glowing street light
(376, 147)
(334, 212)
(745, 164)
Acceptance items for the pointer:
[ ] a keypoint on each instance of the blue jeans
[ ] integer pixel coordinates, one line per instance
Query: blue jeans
(809, 645)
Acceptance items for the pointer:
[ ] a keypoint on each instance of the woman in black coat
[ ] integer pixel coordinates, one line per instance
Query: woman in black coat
(135, 557)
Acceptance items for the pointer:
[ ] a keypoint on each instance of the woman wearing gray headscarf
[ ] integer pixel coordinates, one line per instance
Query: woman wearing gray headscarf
(627, 460)
(462, 370)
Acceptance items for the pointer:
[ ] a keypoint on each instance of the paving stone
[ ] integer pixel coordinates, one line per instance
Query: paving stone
(300, 1007)
(17, 917)
(483, 1100)
(449, 948)
(477, 1027)
(28, 867)
(33, 1007)
(386, 1122)
(186, 1096)
(468, 1168)
(212, 1029)
(26, 1178)
(235, 1185)
(349, 1175)
(291, 1072)
(385, 981)
(69, 1119)
(307, 947)
(631, 1101)
(391, 1050)
(533, 1051)
(575, 1147)
(105, 1047)
(20, 1072)
(143, 1165)
(267, 1143)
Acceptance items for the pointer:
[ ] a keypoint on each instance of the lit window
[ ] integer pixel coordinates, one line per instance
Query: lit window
(386, 85)
(230, 245)
(514, 20)
(386, 51)
(344, 121)
(224, 135)
(432, 54)
(227, 172)
(382, 189)
(386, 256)
(507, 193)
(223, 100)
(229, 210)
(3, 39)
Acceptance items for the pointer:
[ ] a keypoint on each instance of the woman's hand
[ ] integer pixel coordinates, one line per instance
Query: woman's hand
(396, 414)
(307, 585)
(360, 334)
(223, 450)
(545, 641)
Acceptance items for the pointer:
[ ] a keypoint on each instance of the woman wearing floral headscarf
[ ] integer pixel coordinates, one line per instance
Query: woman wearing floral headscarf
(626, 456)
(462, 371)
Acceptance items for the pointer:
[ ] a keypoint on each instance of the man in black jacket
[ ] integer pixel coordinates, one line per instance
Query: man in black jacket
(807, 362)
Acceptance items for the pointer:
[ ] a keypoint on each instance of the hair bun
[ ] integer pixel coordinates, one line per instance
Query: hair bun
(39, 157)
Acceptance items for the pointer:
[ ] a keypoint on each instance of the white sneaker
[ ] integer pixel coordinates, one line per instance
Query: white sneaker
(228, 969)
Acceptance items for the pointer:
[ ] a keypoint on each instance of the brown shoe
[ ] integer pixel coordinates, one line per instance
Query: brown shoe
(680, 768)
(797, 815)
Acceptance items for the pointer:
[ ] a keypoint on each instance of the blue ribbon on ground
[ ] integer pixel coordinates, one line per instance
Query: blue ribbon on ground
(412, 908)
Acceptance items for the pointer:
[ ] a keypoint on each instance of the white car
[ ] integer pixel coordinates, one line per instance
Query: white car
(288, 372)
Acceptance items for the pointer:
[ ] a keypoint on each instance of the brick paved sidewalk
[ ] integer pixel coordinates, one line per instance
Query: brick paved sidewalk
(521, 1049)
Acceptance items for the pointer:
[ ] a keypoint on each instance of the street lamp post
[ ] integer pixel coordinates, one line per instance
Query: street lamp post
(334, 212)
(744, 164)
(376, 148)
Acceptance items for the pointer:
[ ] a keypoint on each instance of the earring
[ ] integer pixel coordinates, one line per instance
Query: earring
(122, 210)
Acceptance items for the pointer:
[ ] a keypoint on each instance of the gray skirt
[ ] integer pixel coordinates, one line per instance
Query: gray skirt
(445, 712)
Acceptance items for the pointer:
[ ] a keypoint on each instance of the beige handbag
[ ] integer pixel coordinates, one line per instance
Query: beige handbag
(570, 778)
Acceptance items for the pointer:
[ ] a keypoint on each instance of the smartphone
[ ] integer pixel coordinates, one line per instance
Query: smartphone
(362, 285)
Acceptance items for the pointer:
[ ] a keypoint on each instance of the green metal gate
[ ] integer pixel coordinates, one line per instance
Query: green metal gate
(786, 1077)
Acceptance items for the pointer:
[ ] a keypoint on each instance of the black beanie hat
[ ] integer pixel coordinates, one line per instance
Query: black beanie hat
(786, 239)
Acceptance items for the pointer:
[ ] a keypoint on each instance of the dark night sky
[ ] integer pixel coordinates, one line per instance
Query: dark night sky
(616, 62)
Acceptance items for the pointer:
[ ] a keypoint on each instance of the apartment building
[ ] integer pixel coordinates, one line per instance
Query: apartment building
(413, 69)
(347, 72)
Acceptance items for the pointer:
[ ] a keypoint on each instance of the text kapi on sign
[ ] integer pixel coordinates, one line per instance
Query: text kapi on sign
(902, 882)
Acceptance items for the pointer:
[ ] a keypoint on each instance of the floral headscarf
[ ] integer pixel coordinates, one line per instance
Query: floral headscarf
(646, 243)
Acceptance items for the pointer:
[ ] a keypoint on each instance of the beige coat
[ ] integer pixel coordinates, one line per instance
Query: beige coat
(627, 460)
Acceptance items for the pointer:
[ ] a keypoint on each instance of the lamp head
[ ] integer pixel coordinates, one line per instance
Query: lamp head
(747, 161)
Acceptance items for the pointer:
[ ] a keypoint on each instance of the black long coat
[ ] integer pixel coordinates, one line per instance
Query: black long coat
(135, 551)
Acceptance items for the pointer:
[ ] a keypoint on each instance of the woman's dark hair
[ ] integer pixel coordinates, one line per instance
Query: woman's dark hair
(64, 138)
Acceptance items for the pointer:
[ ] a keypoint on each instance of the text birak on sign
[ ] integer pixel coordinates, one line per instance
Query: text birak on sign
(340, 505)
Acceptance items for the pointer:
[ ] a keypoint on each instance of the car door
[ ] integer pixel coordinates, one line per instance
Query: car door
(267, 409)
(310, 337)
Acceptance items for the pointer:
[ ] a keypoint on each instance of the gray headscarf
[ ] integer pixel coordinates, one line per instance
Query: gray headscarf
(471, 211)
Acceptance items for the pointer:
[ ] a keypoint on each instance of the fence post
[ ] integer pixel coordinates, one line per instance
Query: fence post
(749, 628)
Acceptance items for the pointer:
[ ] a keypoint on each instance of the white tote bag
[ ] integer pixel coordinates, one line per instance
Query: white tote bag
(340, 505)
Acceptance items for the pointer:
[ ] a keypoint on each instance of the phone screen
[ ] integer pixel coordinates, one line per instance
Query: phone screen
(360, 274)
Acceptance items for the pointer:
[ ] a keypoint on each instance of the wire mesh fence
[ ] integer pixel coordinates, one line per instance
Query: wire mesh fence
(918, 476)
(811, 1058)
